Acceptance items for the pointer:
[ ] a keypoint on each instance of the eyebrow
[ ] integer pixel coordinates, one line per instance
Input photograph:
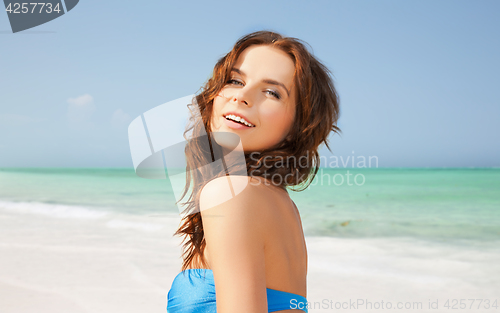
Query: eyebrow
(267, 80)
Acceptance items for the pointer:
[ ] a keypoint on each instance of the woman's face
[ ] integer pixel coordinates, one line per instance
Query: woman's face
(260, 90)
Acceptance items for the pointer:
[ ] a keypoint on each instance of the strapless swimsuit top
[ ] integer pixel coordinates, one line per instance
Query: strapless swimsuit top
(193, 291)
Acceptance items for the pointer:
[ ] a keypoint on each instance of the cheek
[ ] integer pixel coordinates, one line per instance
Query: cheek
(214, 123)
(217, 105)
(225, 93)
(213, 118)
(272, 111)
(279, 119)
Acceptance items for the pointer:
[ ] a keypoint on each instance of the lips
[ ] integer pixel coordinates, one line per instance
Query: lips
(235, 125)
(238, 118)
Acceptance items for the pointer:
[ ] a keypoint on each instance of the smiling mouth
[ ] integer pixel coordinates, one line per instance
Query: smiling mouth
(239, 120)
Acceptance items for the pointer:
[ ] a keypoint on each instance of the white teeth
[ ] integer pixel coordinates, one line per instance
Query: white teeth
(238, 119)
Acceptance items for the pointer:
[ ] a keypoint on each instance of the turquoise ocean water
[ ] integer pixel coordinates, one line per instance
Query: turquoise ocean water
(444, 205)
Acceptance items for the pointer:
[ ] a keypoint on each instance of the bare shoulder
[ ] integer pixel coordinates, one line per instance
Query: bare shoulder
(236, 200)
(238, 192)
(243, 208)
(234, 223)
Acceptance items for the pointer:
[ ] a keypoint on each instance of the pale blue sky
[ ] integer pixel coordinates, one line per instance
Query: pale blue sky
(418, 80)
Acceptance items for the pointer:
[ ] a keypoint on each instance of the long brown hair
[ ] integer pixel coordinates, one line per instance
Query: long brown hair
(317, 112)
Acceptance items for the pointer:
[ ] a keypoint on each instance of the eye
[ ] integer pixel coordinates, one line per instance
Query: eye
(232, 82)
(274, 94)
(269, 91)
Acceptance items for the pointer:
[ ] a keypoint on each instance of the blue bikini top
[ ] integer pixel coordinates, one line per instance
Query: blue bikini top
(195, 293)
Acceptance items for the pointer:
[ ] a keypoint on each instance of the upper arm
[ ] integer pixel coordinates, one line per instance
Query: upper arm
(234, 234)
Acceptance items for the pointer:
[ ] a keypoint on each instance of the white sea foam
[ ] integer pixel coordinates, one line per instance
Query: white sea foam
(52, 210)
(147, 227)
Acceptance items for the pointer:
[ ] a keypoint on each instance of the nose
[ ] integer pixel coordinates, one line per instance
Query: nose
(235, 99)
(242, 97)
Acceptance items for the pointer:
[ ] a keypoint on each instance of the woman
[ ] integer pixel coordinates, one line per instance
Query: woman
(280, 101)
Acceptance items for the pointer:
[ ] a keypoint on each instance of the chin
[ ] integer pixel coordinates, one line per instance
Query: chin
(227, 139)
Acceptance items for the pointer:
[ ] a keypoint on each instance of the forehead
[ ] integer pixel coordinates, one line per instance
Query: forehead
(266, 62)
